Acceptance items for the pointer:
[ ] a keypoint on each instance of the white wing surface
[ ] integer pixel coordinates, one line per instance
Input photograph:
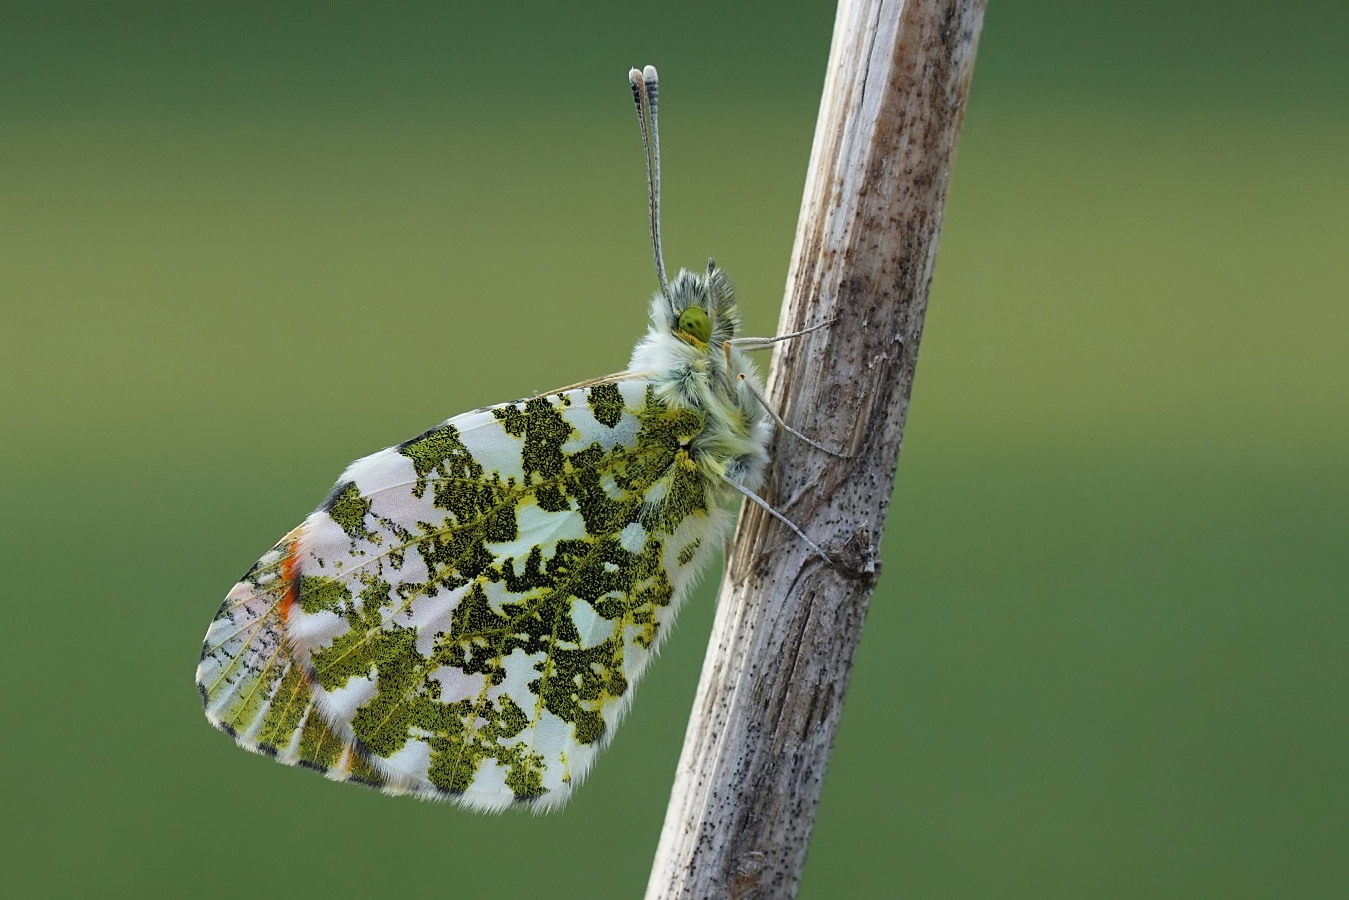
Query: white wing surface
(464, 618)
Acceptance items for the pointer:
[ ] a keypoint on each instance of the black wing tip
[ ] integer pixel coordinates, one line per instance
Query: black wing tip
(338, 490)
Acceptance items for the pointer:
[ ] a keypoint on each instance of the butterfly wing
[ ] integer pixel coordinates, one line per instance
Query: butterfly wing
(465, 616)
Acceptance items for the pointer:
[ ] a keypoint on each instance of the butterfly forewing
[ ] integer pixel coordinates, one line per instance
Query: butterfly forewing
(466, 615)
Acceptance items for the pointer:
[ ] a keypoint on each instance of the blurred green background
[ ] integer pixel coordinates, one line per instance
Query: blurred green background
(1108, 656)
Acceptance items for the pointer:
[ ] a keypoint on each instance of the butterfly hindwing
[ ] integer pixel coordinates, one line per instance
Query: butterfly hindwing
(467, 613)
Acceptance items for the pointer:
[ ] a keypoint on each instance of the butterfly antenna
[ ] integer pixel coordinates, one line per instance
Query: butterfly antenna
(645, 93)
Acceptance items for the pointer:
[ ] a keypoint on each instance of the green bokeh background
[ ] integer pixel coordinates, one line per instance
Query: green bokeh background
(242, 245)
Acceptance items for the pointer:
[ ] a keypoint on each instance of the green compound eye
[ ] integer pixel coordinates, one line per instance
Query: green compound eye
(695, 323)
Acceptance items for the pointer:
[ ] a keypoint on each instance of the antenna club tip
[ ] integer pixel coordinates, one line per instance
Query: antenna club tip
(645, 75)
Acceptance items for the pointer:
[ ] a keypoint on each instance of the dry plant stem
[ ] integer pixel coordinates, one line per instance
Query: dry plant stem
(787, 624)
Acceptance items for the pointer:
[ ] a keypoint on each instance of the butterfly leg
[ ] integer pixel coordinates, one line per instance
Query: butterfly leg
(780, 517)
(772, 413)
(761, 343)
(757, 343)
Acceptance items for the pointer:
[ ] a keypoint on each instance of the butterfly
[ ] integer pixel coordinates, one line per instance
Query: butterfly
(466, 614)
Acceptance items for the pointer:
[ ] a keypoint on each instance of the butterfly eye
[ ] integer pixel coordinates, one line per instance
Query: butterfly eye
(695, 323)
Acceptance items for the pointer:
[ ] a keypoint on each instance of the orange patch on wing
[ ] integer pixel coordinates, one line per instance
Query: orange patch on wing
(290, 571)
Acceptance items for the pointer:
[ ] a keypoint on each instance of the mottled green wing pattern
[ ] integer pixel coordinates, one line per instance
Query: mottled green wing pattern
(256, 685)
(466, 615)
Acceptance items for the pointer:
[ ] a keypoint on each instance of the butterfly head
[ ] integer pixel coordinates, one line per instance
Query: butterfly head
(699, 309)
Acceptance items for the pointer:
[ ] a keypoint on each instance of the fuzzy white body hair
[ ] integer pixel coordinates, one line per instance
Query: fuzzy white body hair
(714, 378)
